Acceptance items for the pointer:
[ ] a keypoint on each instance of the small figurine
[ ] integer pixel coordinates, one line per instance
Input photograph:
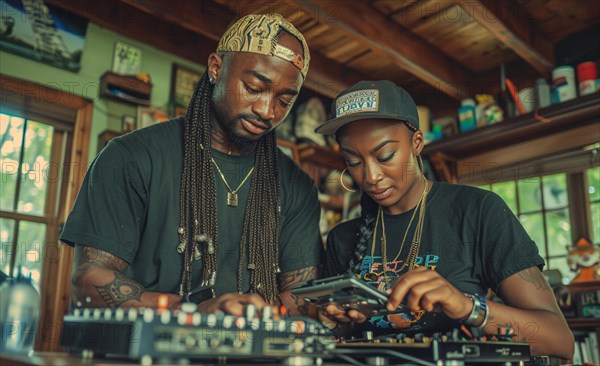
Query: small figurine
(584, 258)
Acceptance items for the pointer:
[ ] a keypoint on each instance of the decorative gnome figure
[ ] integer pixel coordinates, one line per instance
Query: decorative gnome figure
(584, 258)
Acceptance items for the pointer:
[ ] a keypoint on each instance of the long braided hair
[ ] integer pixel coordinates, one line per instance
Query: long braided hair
(365, 231)
(198, 228)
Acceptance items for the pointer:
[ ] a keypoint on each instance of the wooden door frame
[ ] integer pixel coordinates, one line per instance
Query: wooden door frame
(55, 286)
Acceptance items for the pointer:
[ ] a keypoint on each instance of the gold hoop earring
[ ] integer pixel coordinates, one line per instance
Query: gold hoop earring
(342, 182)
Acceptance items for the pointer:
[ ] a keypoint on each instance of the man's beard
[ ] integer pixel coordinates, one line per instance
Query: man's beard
(231, 128)
(236, 137)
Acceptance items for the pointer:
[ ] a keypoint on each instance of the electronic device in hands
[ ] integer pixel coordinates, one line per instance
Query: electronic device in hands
(347, 292)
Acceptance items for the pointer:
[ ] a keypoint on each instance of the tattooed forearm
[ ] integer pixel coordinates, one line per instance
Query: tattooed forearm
(97, 279)
(86, 259)
(120, 290)
(80, 272)
(289, 279)
(102, 258)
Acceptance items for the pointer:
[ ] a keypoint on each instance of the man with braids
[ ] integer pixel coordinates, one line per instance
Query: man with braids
(435, 247)
(206, 202)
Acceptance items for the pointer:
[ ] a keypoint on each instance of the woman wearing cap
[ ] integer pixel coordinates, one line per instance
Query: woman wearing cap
(435, 247)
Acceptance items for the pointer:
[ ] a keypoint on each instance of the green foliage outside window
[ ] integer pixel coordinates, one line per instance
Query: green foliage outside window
(506, 190)
(542, 206)
(593, 180)
(25, 148)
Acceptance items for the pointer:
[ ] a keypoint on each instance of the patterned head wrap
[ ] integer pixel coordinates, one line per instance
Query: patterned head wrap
(258, 33)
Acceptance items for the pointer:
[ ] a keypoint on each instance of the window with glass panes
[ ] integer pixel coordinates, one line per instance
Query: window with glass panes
(593, 194)
(542, 206)
(27, 152)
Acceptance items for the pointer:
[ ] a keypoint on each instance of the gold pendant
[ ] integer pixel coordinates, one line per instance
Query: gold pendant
(232, 199)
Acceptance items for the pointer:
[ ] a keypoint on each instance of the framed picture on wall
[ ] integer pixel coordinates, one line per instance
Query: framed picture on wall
(128, 123)
(148, 116)
(127, 59)
(42, 32)
(183, 82)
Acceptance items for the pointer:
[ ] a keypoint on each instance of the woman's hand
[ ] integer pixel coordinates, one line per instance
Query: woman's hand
(427, 290)
(336, 314)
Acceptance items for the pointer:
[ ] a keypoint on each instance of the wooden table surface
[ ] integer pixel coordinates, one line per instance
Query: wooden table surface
(66, 359)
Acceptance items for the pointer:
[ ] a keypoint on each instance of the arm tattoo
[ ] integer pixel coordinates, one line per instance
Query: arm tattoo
(103, 259)
(87, 258)
(120, 290)
(114, 288)
(289, 279)
(535, 277)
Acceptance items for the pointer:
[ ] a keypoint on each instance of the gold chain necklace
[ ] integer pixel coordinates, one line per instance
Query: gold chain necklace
(413, 252)
(232, 196)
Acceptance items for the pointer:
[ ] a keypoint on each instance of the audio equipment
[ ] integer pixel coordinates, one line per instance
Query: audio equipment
(178, 336)
(147, 334)
(441, 351)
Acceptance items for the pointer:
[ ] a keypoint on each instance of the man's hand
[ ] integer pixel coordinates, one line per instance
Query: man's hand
(233, 304)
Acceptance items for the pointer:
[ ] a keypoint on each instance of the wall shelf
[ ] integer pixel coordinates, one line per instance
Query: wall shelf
(126, 89)
(564, 116)
(577, 323)
(321, 156)
(524, 139)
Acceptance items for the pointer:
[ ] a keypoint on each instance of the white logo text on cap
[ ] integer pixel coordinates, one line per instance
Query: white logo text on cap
(358, 101)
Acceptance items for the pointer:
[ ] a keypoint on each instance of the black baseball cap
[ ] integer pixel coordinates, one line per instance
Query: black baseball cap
(371, 99)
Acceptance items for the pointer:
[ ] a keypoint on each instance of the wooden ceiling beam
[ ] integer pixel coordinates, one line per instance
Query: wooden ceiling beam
(509, 23)
(210, 20)
(202, 17)
(362, 22)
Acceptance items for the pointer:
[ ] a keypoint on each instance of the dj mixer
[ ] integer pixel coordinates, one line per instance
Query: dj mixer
(150, 335)
(164, 334)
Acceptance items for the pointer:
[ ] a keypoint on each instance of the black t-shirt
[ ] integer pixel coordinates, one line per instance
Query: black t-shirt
(129, 202)
(470, 237)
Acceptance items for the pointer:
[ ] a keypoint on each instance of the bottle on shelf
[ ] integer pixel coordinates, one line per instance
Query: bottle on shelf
(542, 93)
(563, 84)
(586, 75)
(505, 101)
(467, 117)
(527, 98)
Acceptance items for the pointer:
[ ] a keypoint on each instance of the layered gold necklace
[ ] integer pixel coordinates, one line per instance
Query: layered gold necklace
(413, 252)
